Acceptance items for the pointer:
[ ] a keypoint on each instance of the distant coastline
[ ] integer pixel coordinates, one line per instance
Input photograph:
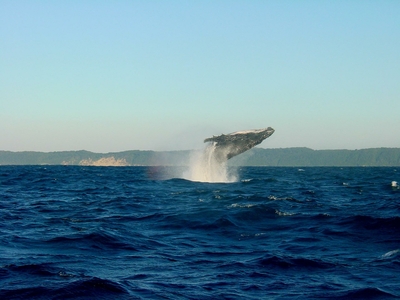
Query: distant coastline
(281, 157)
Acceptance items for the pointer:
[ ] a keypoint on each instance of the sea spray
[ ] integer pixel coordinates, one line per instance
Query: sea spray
(205, 167)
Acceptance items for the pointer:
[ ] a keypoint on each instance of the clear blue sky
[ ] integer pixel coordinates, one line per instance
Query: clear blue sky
(163, 75)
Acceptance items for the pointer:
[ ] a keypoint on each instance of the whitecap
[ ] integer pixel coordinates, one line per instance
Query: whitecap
(390, 253)
(240, 205)
(283, 214)
(247, 180)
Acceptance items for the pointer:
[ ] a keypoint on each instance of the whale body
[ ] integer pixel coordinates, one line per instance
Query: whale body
(229, 145)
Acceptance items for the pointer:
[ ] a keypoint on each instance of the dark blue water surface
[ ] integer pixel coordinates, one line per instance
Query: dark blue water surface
(69, 232)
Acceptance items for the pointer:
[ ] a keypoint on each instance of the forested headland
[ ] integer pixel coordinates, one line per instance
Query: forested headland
(282, 157)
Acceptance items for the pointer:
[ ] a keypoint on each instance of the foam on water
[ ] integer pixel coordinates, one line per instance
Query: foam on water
(204, 167)
(390, 254)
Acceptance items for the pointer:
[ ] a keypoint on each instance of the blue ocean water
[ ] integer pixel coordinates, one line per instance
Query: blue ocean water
(70, 232)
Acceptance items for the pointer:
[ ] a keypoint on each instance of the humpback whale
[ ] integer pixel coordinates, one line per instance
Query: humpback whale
(229, 145)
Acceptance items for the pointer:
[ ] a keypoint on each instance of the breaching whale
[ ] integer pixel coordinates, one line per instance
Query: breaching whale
(232, 144)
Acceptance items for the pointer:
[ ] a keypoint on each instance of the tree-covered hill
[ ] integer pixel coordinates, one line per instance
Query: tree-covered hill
(254, 157)
(308, 157)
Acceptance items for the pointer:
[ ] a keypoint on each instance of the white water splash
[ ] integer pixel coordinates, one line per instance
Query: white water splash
(390, 254)
(204, 167)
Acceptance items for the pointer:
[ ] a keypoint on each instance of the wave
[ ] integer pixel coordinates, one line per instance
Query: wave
(391, 254)
(88, 288)
(361, 293)
(95, 288)
(73, 285)
(281, 262)
(373, 223)
(92, 241)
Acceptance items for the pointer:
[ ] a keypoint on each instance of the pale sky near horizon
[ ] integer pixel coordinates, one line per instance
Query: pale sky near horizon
(110, 76)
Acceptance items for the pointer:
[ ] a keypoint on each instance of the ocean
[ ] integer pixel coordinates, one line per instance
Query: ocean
(81, 232)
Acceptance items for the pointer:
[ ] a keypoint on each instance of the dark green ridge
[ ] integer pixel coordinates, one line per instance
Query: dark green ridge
(282, 157)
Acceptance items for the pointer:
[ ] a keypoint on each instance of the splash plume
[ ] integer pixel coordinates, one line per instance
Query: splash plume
(210, 165)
